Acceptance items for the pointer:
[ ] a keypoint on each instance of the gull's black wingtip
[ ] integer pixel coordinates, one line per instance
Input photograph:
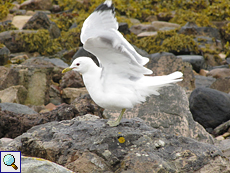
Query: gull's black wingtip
(107, 5)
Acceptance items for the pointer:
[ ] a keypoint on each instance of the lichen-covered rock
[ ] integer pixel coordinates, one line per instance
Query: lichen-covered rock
(14, 124)
(14, 94)
(38, 165)
(168, 112)
(36, 5)
(93, 146)
(166, 63)
(41, 21)
(8, 77)
(222, 84)
(71, 79)
(86, 105)
(70, 94)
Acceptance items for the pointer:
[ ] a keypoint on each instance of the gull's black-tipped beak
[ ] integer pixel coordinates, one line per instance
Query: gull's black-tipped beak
(67, 69)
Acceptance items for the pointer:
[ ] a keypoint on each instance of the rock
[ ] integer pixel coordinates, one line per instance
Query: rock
(168, 112)
(11, 39)
(36, 75)
(165, 16)
(137, 29)
(224, 146)
(17, 108)
(36, 5)
(86, 105)
(192, 29)
(196, 61)
(133, 146)
(221, 129)
(203, 72)
(70, 94)
(166, 63)
(204, 41)
(4, 55)
(55, 95)
(36, 165)
(202, 81)
(8, 77)
(57, 62)
(14, 94)
(222, 84)
(124, 28)
(72, 79)
(20, 118)
(19, 59)
(41, 21)
(20, 20)
(219, 138)
(161, 24)
(219, 73)
(209, 107)
(5, 141)
(147, 34)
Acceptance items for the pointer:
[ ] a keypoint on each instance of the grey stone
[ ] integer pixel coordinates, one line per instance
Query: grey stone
(197, 61)
(57, 62)
(203, 81)
(168, 112)
(165, 63)
(41, 21)
(209, 107)
(17, 108)
(4, 55)
(38, 165)
(133, 146)
(14, 94)
(11, 41)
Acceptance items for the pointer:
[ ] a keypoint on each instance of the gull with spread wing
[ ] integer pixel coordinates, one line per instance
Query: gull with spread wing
(120, 81)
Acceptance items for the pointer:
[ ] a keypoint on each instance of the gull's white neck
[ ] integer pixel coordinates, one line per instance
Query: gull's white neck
(91, 80)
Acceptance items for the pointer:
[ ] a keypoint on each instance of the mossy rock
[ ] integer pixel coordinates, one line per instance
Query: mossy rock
(166, 41)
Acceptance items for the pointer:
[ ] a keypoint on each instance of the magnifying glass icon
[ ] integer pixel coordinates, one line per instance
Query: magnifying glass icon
(9, 160)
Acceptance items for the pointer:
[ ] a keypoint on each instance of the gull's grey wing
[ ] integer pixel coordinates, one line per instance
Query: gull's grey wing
(102, 23)
(117, 62)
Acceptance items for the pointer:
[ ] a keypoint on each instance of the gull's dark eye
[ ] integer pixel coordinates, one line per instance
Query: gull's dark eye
(77, 64)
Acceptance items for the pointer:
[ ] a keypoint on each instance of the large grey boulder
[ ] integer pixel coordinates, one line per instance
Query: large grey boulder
(209, 107)
(88, 144)
(168, 112)
(38, 165)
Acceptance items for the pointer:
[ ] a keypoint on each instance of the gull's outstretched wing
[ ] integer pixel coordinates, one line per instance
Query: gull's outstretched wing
(101, 37)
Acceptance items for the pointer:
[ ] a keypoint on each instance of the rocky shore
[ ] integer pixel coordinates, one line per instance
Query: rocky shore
(51, 119)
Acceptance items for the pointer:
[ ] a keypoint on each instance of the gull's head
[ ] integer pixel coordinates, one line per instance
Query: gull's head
(81, 65)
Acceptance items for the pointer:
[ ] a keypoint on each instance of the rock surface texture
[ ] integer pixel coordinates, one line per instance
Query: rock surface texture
(88, 144)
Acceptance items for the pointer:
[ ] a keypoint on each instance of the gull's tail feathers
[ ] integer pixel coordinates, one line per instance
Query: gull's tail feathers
(154, 83)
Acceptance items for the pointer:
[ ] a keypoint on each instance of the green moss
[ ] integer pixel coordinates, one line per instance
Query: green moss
(184, 16)
(7, 27)
(219, 10)
(180, 43)
(165, 41)
(227, 49)
(63, 21)
(39, 42)
(4, 8)
(70, 39)
(1, 45)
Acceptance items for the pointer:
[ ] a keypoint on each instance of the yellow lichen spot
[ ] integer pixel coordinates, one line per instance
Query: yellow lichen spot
(121, 139)
(119, 133)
